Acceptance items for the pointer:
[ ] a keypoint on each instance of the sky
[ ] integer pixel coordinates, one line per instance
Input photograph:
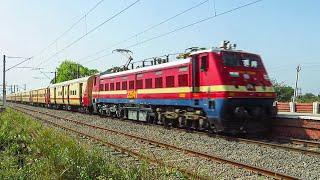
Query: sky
(285, 33)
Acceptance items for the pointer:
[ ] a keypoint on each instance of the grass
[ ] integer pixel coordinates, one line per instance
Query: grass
(28, 150)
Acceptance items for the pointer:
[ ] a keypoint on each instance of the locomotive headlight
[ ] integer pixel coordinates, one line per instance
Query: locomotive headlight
(250, 87)
(246, 76)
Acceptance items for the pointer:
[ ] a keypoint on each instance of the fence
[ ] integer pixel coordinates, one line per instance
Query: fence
(299, 107)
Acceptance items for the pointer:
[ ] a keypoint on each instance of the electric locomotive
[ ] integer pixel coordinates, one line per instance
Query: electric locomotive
(218, 89)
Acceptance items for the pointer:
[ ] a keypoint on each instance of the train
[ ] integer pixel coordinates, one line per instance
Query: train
(216, 89)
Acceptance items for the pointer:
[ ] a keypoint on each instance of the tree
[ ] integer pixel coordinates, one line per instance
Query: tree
(68, 70)
(308, 98)
(284, 92)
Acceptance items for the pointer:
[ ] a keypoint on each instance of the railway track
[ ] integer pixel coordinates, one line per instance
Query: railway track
(151, 148)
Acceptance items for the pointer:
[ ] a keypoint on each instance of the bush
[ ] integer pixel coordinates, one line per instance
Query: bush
(30, 151)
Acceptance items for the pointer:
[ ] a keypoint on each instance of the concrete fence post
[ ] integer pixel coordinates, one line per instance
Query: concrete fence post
(315, 108)
(292, 107)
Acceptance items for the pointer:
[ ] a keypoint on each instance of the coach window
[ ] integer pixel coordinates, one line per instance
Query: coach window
(111, 86)
(118, 86)
(124, 85)
(95, 80)
(183, 80)
(131, 85)
(170, 81)
(106, 87)
(139, 84)
(148, 83)
(158, 82)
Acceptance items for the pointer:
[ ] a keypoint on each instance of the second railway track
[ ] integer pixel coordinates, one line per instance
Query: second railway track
(185, 160)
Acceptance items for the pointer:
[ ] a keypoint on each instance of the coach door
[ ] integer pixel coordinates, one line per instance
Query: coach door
(68, 93)
(62, 93)
(55, 95)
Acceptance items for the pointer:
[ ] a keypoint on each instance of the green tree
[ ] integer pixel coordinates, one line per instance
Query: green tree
(308, 98)
(284, 92)
(68, 70)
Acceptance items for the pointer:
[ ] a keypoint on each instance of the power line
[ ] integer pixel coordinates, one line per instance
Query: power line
(146, 30)
(194, 23)
(72, 26)
(27, 59)
(87, 33)
(183, 27)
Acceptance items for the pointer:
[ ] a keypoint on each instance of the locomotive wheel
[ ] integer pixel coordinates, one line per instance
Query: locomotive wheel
(119, 114)
(211, 129)
(182, 122)
(108, 113)
(175, 123)
(188, 125)
(166, 122)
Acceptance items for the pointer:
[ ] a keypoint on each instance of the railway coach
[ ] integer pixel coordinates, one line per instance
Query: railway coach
(71, 95)
(217, 89)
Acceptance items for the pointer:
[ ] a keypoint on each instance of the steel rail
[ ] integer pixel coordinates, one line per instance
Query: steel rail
(300, 141)
(259, 170)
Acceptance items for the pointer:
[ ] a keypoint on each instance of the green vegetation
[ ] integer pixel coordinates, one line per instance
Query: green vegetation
(30, 151)
(68, 70)
(285, 94)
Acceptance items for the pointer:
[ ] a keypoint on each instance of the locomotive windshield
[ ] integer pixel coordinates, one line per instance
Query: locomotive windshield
(239, 59)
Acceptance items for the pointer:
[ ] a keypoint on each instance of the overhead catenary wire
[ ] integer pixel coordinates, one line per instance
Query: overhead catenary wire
(89, 32)
(72, 26)
(147, 29)
(181, 28)
(27, 59)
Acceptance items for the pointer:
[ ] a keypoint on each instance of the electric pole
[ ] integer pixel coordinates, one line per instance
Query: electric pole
(4, 82)
(78, 70)
(295, 95)
(55, 76)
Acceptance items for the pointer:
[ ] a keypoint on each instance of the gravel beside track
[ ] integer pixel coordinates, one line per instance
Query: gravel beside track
(284, 161)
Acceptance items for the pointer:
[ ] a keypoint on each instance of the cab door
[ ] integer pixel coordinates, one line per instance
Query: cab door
(195, 74)
(200, 66)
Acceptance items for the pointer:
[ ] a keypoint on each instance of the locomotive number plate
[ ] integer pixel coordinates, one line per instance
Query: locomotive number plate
(132, 94)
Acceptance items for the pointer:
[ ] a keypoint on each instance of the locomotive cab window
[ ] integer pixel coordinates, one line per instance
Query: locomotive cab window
(204, 63)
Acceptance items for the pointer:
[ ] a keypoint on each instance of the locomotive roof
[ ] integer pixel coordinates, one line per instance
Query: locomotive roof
(217, 50)
(149, 68)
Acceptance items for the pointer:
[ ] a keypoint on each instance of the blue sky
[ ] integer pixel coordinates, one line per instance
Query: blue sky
(285, 33)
